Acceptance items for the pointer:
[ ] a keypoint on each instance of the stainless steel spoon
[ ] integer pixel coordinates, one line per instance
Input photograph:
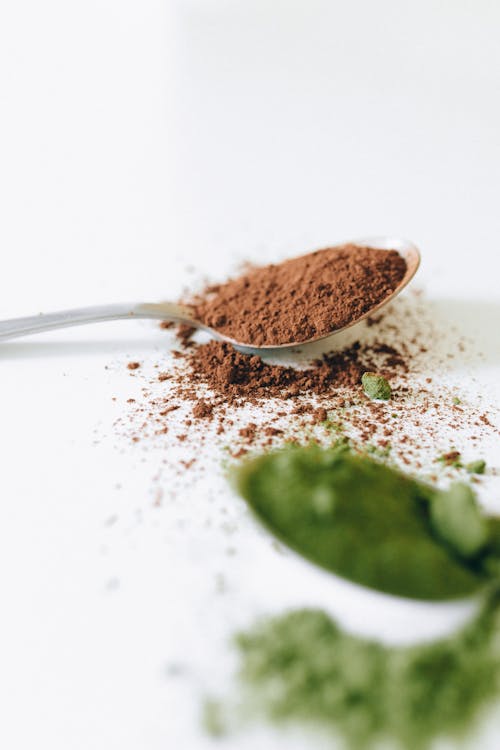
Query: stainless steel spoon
(183, 314)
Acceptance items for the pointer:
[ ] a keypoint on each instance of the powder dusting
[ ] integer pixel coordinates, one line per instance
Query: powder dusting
(300, 667)
(209, 393)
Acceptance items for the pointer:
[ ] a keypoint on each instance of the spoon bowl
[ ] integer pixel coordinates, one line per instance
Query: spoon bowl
(178, 313)
(405, 248)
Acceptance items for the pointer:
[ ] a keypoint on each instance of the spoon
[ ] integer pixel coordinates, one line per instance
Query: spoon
(178, 313)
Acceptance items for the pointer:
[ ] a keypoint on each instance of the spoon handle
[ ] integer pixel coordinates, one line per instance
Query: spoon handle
(47, 322)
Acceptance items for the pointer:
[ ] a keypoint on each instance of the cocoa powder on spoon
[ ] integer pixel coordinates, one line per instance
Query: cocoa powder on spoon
(302, 298)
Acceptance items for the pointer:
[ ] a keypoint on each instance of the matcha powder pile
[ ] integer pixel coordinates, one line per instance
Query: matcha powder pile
(301, 667)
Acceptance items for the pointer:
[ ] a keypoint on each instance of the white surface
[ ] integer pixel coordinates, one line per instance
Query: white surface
(137, 139)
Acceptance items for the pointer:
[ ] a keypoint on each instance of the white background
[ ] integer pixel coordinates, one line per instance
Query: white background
(137, 140)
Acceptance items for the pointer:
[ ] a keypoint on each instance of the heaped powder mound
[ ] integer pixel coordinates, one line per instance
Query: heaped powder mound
(302, 298)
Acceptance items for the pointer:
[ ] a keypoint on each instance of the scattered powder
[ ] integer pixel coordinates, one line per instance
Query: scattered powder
(202, 410)
(317, 394)
(301, 667)
(302, 298)
(237, 377)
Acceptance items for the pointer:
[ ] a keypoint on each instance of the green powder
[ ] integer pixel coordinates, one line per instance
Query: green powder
(377, 527)
(370, 523)
(301, 667)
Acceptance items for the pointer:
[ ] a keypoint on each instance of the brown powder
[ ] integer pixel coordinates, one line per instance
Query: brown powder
(243, 402)
(320, 415)
(202, 410)
(302, 298)
(248, 432)
(237, 377)
(184, 334)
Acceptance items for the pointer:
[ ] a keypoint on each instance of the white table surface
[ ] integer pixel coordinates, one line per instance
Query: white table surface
(138, 140)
